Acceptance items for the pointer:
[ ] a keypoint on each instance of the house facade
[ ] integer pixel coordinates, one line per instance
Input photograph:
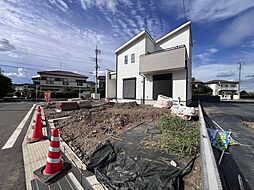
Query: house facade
(60, 81)
(146, 68)
(223, 88)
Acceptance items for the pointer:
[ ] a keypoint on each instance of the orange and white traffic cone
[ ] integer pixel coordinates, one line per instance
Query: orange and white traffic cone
(54, 161)
(37, 132)
(39, 109)
(55, 168)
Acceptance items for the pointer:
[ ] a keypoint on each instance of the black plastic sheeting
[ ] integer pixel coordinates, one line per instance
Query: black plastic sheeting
(116, 169)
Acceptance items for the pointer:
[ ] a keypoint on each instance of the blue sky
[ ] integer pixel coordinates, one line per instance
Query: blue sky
(46, 34)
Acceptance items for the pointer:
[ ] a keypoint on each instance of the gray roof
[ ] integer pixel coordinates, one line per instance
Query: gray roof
(62, 73)
(221, 81)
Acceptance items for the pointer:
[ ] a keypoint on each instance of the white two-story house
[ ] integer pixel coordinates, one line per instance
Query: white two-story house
(146, 68)
(223, 88)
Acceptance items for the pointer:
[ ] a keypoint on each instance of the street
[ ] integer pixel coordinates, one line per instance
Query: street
(230, 116)
(11, 158)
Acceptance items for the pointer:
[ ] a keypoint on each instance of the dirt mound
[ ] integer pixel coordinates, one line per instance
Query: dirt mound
(127, 105)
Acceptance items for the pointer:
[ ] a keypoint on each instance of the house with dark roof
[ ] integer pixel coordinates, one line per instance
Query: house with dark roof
(146, 68)
(59, 80)
(223, 88)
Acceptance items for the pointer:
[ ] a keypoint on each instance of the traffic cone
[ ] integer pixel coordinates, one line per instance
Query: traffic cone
(55, 168)
(54, 161)
(108, 99)
(37, 132)
(39, 109)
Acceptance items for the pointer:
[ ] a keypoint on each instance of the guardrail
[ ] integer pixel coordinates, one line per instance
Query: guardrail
(209, 171)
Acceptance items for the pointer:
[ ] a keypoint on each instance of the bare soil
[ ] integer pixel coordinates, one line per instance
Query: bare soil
(85, 129)
(249, 124)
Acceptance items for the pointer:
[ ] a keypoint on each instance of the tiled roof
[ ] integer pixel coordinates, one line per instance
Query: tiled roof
(62, 73)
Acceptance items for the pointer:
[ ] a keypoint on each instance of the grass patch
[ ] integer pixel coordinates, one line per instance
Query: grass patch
(179, 136)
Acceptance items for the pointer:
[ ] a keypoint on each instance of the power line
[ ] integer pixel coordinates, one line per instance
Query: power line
(184, 11)
(30, 68)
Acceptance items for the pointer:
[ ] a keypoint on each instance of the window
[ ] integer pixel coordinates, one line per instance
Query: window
(57, 79)
(65, 82)
(126, 59)
(79, 82)
(50, 80)
(129, 88)
(233, 85)
(133, 58)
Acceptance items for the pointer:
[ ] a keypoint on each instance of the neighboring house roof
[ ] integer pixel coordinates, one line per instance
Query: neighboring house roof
(197, 81)
(221, 81)
(62, 73)
(90, 82)
(102, 77)
(173, 32)
(145, 32)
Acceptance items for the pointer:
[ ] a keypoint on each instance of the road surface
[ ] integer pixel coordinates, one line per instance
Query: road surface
(11, 158)
(230, 116)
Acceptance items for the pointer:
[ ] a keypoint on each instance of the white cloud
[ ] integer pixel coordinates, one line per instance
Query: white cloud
(209, 10)
(21, 73)
(206, 56)
(107, 4)
(238, 30)
(5, 45)
(60, 4)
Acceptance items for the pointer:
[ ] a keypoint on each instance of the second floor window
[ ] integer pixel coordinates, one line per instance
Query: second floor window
(126, 59)
(65, 82)
(50, 80)
(133, 58)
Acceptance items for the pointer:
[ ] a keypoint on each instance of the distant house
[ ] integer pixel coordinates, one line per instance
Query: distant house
(61, 81)
(196, 84)
(24, 86)
(225, 89)
(146, 68)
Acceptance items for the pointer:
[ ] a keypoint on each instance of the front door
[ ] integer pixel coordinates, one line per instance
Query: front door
(162, 84)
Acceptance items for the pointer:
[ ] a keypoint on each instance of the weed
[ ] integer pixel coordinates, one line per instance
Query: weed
(178, 136)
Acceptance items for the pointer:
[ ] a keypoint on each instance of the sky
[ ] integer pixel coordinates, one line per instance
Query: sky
(38, 35)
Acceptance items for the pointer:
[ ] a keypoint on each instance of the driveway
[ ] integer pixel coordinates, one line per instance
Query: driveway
(230, 116)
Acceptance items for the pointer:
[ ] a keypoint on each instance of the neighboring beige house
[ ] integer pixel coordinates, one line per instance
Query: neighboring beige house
(60, 81)
(146, 68)
(223, 88)
(24, 86)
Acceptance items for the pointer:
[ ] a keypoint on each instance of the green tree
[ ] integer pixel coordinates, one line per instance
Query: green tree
(244, 93)
(204, 90)
(5, 85)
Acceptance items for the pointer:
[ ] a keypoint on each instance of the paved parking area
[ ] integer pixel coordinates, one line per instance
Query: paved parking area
(230, 116)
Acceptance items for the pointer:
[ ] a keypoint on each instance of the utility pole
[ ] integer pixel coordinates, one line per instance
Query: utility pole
(240, 73)
(97, 52)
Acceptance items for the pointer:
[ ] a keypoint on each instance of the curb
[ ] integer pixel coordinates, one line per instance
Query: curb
(93, 183)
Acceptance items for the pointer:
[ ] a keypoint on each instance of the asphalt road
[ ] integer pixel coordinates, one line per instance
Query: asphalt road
(230, 116)
(11, 160)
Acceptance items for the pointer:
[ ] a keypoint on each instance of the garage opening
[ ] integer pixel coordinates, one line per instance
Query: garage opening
(129, 88)
(162, 84)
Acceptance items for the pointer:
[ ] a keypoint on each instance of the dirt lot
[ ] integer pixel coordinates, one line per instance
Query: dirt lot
(85, 129)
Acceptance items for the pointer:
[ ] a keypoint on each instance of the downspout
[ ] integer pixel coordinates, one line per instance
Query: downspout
(143, 99)
(116, 74)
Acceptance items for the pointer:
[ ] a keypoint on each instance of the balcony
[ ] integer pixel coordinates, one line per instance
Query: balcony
(163, 61)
